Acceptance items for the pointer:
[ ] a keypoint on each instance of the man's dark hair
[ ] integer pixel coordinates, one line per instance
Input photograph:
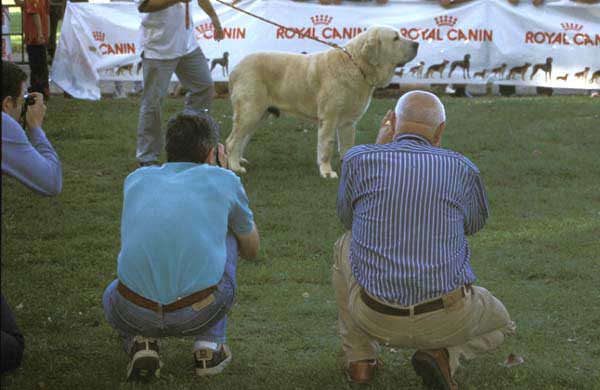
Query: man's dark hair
(12, 80)
(190, 137)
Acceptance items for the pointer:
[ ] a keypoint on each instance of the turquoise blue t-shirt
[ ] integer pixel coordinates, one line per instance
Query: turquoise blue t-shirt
(173, 228)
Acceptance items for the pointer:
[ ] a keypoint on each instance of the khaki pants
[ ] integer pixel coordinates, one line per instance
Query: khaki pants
(470, 327)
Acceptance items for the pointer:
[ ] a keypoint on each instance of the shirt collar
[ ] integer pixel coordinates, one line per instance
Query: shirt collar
(413, 137)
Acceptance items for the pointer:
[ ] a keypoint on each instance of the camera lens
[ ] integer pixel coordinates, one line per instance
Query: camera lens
(29, 100)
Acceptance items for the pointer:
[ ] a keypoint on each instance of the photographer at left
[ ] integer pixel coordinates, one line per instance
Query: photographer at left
(28, 156)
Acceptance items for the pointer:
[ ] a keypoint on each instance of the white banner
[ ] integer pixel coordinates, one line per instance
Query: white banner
(6, 47)
(555, 45)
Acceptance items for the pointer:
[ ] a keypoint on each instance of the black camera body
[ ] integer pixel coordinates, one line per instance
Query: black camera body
(29, 101)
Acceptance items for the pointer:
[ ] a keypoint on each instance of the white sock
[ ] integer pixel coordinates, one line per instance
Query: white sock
(199, 344)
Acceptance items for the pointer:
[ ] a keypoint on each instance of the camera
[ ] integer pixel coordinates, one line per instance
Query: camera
(29, 101)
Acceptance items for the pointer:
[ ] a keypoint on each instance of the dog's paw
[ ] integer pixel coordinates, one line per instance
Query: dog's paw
(239, 170)
(329, 175)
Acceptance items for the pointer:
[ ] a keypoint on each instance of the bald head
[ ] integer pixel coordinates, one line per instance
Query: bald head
(419, 112)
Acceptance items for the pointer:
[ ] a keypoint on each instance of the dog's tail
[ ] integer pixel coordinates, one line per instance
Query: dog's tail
(274, 110)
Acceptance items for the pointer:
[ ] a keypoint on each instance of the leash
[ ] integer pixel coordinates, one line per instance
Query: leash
(297, 31)
(187, 16)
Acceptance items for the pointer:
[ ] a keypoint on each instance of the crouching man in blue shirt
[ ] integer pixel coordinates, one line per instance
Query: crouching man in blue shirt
(182, 226)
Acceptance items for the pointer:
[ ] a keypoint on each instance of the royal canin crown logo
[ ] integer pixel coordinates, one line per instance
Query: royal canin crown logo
(571, 26)
(205, 27)
(321, 19)
(99, 36)
(446, 20)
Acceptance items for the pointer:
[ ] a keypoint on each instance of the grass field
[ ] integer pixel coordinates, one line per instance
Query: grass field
(539, 253)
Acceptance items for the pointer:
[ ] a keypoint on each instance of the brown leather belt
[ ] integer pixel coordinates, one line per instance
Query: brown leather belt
(179, 304)
(437, 304)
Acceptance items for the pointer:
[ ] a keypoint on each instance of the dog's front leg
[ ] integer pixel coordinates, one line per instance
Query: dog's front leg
(346, 133)
(325, 148)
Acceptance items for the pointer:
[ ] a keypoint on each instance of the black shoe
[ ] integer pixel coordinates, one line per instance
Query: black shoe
(149, 163)
(433, 367)
(209, 362)
(145, 363)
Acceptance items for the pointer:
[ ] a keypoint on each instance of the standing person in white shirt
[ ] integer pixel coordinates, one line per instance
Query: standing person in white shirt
(168, 45)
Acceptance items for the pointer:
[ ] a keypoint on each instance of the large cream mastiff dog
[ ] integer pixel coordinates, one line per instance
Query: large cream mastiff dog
(329, 87)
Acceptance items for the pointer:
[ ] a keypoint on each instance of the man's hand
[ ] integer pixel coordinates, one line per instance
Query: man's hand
(386, 129)
(223, 162)
(35, 113)
(214, 18)
(218, 33)
(40, 38)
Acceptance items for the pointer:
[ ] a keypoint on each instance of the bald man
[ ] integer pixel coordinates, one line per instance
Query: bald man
(402, 272)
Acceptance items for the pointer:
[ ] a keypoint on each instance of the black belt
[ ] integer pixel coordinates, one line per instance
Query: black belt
(422, 308)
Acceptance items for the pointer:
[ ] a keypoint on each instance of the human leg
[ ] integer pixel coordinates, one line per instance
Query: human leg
(157, 74)
(131, 322)
(119, 90)
(357, 344)
(472, 322)
(55, 17)
(211, 354)
(194, 75)
(38, 64)
(491, 329)
(12, 340)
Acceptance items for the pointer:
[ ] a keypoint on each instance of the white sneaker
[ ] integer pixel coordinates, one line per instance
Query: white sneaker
(209, 362)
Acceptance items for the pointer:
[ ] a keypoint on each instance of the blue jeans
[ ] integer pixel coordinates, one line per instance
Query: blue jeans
(194, 75)
(206, 324)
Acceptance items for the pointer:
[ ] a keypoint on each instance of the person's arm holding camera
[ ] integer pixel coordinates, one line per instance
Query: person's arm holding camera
(241, 220)
(28, 155)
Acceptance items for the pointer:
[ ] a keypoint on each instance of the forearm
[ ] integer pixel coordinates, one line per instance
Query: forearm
(249, 244)
(478, 209)
(34, 164)
(210, 11)
(156, 5)
(37, 21)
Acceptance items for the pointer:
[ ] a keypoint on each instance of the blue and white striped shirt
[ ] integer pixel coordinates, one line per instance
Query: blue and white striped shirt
(410, 207)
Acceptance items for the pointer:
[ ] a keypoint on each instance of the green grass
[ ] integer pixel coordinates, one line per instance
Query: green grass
(539, 253)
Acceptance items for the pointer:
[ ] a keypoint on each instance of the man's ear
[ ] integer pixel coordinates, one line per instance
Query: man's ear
(437, 136)
(370, 50)
(7, 104)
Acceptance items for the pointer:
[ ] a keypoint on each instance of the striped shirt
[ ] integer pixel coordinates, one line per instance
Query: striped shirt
(410, 207)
